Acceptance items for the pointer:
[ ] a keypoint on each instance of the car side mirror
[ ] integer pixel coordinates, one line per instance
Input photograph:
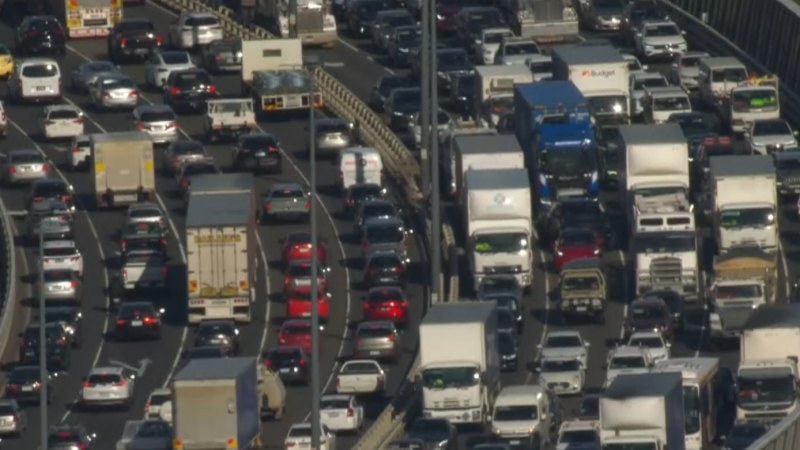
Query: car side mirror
(669, 345)
(539, 346)
(795, 133)
(587, 344)
(683, 32)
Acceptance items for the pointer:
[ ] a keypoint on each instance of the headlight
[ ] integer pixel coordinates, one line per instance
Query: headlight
(402, 50)
(439, 17)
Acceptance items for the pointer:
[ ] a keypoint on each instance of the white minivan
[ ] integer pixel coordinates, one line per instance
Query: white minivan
(36, 80)
(661, 102)
(526, 416)
(359, 165)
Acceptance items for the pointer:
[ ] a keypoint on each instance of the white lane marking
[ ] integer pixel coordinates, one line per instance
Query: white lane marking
(26, 267)
(785, 270)
(333, 65)
(349, 45)
(268, 312)
(625, 298)
(99, 248)
(546, 320)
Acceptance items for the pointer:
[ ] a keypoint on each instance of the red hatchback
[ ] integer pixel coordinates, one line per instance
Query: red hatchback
(298, 276)
(576, 243)
(386, 303)
(297, 247)
(297, 333)
(298, 304)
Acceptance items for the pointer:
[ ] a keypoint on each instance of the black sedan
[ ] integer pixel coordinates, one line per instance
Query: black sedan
(138, 320)
(133, 38)
(290, 363)
(257, 152)
(218, 332)
(70, 317)
(24, 385)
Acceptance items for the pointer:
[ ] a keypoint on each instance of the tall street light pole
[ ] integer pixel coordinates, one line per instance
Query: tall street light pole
(311, 64)
(42, 346)
(436, 220)
(425, 93)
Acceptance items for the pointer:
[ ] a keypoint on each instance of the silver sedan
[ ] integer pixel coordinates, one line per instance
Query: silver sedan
(159, 121)
(13, 420)
(24, 166)
(87, 73)
(180, 153)
(114, 91)
(60, 285)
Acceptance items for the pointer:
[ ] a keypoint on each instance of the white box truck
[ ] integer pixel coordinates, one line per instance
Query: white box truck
(483, 152)
(601, 74)
(123, 169)
(498, 221)
(643, 411)
(216, 406)
(221, 248)
(768, 363)
(459, 361)
(745, 202)
(494, 90)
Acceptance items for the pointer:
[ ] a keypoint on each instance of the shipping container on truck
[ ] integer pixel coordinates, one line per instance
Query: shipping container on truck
(215, 406)
(123, 168)
(87, 18)
(221, 247)
(482, 152)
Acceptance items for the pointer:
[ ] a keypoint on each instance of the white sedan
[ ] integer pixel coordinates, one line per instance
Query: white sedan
(653, 341)
(765, 137)
(62, 255)
(79, 152)
(161, 64)
(299, 436)
(341, 412)
(61, 121)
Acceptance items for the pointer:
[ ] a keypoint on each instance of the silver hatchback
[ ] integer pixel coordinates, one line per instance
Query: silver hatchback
(376, 340)
(385, 234)
(333, 135)
(180, 153)
(13, 420)
(286, 201)
(114, 91)
(24, 166)
(145, 212)
(159, 121)
(60, 285)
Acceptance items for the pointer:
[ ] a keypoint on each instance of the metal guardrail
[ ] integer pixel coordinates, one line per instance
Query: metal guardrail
(763, 35)
(10, 278)
(399, 161)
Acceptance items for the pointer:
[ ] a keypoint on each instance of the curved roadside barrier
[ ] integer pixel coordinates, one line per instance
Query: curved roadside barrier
(399, 161)
(783, 436)
(9, 278)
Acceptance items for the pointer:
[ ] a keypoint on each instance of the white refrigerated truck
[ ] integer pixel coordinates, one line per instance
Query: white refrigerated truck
(643, 411)
(122, 168)
(494, 89)
(745, 202)
(767, 381)
(221, 248)
(601, 73)
(498, 221)
(483, 152)
(459, 361)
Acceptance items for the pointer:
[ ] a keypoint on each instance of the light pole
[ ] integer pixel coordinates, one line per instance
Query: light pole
(436, 226)
(311, 63)
(425, 113)
(42, 345)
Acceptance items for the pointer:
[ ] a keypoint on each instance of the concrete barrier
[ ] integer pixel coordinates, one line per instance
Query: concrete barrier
(10, 277)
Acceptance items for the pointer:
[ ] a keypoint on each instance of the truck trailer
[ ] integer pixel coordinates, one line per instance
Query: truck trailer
(123, 168)
(482, 152)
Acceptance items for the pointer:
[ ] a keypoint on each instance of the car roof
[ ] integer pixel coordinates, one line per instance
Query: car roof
(155, 107)
(106, 370)
(564, 333)
(383, 221)
(60, 244)
(50, 108)
(24, 151)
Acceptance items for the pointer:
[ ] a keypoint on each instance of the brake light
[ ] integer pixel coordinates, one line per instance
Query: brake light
(272, 149)
(349, 412)
(404, 305)
(308, 205)
(123, 42)
(12, 388)
(268, 363)
(12, 170)
(132, 94)
(82, 446)
(146, 407)
(359, 341)
(45, 167)
(173, 125)
(75, 258)
(184, 183)
(217, 57)
(302, 362)
(38, 198)
(120, 323)
(164, 272)
(286, 281)
(86, 383)
(174, 91)
(268, 206)
(391, 338)
(212, 89)
(149, 321)
(163, 242)
(74, 284)
(121, 383)
(123, 244)
(350, 202)
(158, 40)
(140, 126)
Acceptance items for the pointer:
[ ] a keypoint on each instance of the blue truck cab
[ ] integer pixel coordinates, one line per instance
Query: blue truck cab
(556, 133)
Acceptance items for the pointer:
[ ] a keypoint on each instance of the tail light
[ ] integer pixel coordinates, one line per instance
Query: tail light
(120, 323)
(74, 284)
(12, 170)
(38, 198)
(268, 363)
(124, 274)
(272, 149)
(37, 386)
(391, 338)
(308, 205)
(146, 407)
(82, 446)
(75, 258)
(286, 281)
(359, 341)
(404, 305)
(174, 91)
(86, 383)
(268, 206)
(212, 89)
(173, 125)
(124, 244)
(158, 40)
(217, 58)
(164, 272)
(133, 94)
(184, 183)
(139, 126)
(79, 120)
(66, 197)
(302, 362)
(106, 95)
(372, 270)
(349, 412)
(121, 383)
(123, 42)
(149, 321)
(45, 167)
(12, 388)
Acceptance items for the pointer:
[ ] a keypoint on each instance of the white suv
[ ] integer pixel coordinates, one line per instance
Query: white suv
(61, 121)
(62, 255)
(36, 80)
(107, 386)
(79, 152)
(159, 406)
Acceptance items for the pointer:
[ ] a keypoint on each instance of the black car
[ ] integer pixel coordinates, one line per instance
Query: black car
(52, 189)
(189, 89)
(589, 409)
(743, 434)
(70, 437)
(578, 213)
(218, 332)
(132, 38)
(193, 169)
(138, 320)
(439, 432)
(361, 14)
(70, 317)
(509, 302)
(462, 95)
(380, 92)
(675, 305)
(402, 107)
(290, 363)
(139, 236)
(507, 347)
(357, 194)
(403, 42)
(385, 268)
(451, 63)
(40, 35)
(57, 346)
(24, 385)
(259, 151)
(648, 314)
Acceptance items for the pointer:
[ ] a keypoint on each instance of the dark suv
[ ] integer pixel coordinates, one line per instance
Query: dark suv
(133, 38)
(384, 268)
(41, 35)
(58, 345)
(189, 89)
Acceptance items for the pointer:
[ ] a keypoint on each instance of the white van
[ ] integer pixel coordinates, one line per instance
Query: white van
(660, 103)
(526, 416)
(359, 165)
(718, 75)
(36, 80)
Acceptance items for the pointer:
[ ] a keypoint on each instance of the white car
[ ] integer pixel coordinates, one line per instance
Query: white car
(107, 386)
(79, 152)
(299, 436)
(661, 103)
(634, 65)
(159, 406)
(685, 70)
(565, 344)
(161, 64)
(443, 125)
(516, 51)
(639, 83)
(341, 412)
(579, 435)
(62, 255)
(654, 342)
(61, 121)
(487, 45)
(541, 67)
(36, 80)
(3, 120)
(564, 376)
(768, 136)
(658, 39)
(627, 360)
(193, 29)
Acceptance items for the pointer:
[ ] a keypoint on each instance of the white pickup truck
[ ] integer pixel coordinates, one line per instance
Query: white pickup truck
(229, 117)
(144, 269)
(360, 376)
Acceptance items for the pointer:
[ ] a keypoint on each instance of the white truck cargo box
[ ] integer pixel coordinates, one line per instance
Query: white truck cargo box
(654, 154)
(494, 195)
(484, 152)
(772, 332)
(123, 169)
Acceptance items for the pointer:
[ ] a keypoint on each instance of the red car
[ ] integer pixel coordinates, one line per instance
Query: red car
(297, 333)
(298, 304)
(576, 243)
(386, 303)
(297, 247)
(298, 276)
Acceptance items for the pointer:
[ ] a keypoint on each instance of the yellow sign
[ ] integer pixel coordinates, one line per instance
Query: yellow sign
(213, 292)
(99, 167)
(148, 165)
(217, 239)
(72, 4)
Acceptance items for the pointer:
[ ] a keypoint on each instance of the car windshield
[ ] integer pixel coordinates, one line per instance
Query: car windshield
(154, 429)
(577, 436)
(515, 413)
(788, 163)
(771, 128)
(580, 283)
(157, 116)
(392, 82)
(49, 189)
(26, 158)
(301, 431)
(627, 362)
(384, 233)
(607, 104)
(450, 377)
(63, 114)
(390, 260)
(224, 46)
(119, 83)
(522, 48)
(655, 82)
(333, 127)
(505, 321)
(560, 365)
(370, 210)
(369, 9)
(335, 403)
(302, 270)
(159, 399)
(144, 213)
(567, 163)
(103, 378)
(406, 98)
(737, 219)
(563, 342)
(63, 437)
(498, 284)
(382, 295)
(142, 228)
(58, 251)
(496, 37)
(665, 244)
(360, 368)
(692, 60)
(57, 315)
(24, 375)
(678, 103)
(662, 31)
(486, 243)
(577, 238)
(57, 276)
(187, 148)
(373, 332)
(766, 389)
(409, 36)
(172, 58)
(206, 352)
(98, 67)
(646, 342)
(732, 75)
(647, 313)
(452, 58)
(723, 291)
(130, 311)
(366, 191)
(215, 329)
(506, 342)
(40, 70)
(580, 212)
(199, 169)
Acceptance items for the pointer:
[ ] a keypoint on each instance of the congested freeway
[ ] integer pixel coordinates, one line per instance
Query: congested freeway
(97, 239)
